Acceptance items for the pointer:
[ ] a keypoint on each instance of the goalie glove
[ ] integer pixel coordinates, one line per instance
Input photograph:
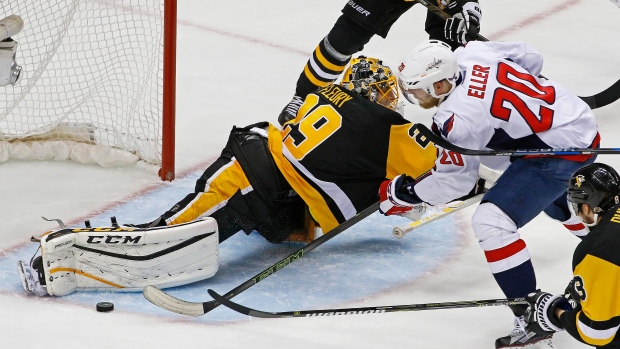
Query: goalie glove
(465, 25)
(540, 314)
(394, 200)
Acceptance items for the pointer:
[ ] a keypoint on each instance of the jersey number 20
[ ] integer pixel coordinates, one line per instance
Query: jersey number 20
(542, 95)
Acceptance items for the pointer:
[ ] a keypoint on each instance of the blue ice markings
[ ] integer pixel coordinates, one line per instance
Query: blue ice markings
(356, 265)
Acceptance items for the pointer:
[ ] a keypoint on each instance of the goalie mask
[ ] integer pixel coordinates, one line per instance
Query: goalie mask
(373, 80)
(596, 185)
(429, 62)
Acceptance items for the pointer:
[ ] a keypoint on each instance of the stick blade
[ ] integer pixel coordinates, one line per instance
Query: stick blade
(173, 304)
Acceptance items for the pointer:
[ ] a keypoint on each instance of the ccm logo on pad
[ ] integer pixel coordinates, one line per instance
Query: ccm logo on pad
(113, 239)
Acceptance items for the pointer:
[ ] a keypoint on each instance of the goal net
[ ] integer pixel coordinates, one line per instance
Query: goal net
(96, 74)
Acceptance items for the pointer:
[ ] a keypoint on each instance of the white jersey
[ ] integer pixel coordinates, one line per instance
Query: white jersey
(500, 103)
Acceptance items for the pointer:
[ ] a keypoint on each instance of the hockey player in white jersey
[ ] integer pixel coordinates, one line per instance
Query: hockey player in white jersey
(489, 96)
(10, 72)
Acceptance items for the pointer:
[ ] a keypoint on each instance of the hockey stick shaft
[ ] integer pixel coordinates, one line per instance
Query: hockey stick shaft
(402, 230)
(168, 302)
(601, 99)
(363, 310)
(424, 131)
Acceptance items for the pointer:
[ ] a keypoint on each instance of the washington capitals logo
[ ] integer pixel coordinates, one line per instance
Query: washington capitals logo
(434, 64)
(447, 126)
(579, 180)
(401, 67)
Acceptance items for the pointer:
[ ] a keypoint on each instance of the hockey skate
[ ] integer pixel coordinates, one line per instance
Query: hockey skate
(521, 337)
(290, 111)
(33, 279)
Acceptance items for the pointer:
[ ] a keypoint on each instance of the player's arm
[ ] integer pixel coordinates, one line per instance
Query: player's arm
(453, 176)
(10, 72)
(596, 321)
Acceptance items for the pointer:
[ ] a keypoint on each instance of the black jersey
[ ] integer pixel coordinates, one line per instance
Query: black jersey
(340, 148)
(596, 270)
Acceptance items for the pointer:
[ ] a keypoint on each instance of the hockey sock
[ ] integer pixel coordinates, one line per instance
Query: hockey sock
(517, 282)
(331, 56)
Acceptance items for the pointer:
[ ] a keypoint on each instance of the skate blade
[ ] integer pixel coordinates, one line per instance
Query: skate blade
(546, 343)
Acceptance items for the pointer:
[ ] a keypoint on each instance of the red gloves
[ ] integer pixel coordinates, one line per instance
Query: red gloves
(389, 193)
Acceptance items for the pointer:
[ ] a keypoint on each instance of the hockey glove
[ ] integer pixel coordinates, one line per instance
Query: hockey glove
(540, 314)
(465, 25)
(393, 198)
(575, 292)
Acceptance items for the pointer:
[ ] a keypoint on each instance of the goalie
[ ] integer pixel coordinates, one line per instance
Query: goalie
(321, 169)
(10, 72)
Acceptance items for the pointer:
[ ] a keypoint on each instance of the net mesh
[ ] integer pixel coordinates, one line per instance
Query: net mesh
(88, 64)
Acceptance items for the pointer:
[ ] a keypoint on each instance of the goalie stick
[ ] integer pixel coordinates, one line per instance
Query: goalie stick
(402, 230)
(168, 302)
(363, 310)
(424, 131)
(601, 99)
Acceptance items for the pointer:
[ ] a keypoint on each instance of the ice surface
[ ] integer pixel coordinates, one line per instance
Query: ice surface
(237, 64)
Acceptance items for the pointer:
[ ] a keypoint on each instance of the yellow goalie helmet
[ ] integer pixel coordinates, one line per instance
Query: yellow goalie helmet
(373, 80)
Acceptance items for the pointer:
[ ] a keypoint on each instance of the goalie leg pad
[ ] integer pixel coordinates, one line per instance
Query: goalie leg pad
(128, 259)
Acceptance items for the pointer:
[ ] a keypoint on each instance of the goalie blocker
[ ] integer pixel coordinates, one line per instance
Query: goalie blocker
(122, 258)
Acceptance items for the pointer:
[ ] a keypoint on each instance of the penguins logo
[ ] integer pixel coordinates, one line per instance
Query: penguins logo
(579, 180)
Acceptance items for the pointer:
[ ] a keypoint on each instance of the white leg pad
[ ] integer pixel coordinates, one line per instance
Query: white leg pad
(127, 259)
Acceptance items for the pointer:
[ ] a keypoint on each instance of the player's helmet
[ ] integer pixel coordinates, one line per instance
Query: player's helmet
(427, 63)
(373, 80)
(596, 185)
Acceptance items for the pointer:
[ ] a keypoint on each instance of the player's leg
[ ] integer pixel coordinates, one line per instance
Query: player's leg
(327, 62)
(353, 29)
(525, 189)
(220, 188)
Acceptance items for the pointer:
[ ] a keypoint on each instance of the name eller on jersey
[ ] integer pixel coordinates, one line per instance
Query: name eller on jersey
(479, 85)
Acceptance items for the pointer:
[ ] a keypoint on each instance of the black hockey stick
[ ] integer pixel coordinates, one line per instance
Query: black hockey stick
(168, 302)
(601, 99)
(363, 310)
(429, 135)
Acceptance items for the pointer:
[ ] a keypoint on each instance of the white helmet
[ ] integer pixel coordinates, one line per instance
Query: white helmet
(429, 62)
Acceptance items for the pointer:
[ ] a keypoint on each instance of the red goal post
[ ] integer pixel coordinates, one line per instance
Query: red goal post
(97, 84)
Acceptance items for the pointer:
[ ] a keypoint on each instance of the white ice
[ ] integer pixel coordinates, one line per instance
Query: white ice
(237, 64)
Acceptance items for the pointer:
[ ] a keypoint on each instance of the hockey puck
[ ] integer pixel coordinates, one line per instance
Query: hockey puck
(105, 307)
